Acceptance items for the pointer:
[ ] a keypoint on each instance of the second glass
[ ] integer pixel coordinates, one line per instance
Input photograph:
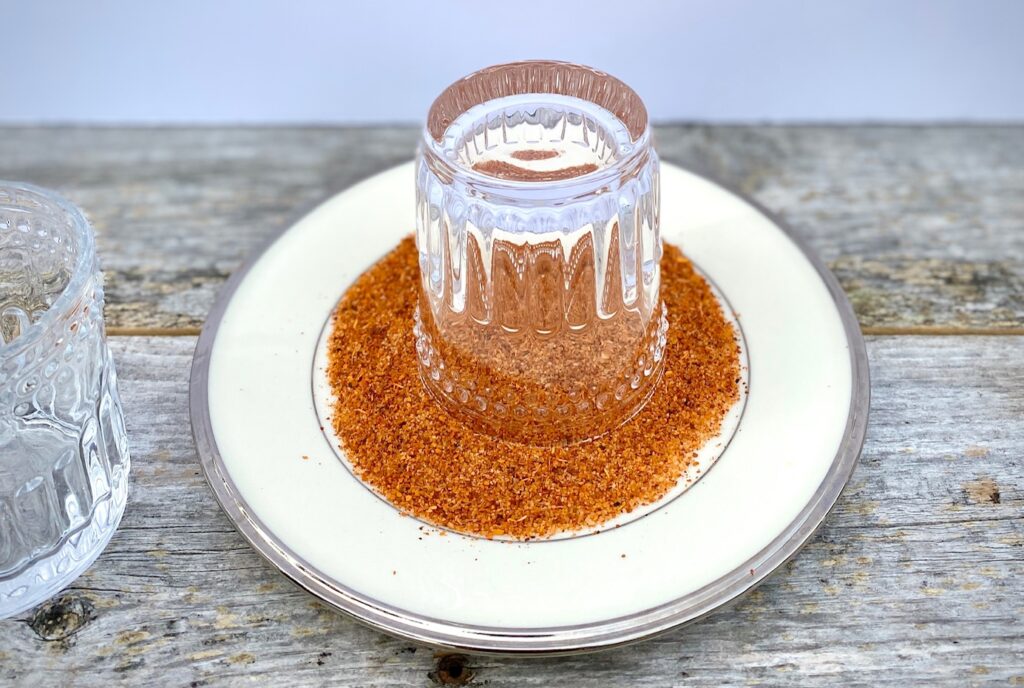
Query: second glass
(540, 318)
(63, 449)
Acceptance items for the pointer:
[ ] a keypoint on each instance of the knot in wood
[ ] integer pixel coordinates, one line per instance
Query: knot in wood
(451, 670)
(63, 617)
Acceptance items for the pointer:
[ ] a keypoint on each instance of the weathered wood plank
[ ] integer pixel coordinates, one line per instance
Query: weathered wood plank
(176, 210)
(917, 577)
(924, 226)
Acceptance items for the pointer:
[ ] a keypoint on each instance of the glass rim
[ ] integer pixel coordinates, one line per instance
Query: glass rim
(437, 123)
(82, 272)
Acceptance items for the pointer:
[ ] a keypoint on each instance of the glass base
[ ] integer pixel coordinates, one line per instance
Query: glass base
(536, 395)
(51, 574)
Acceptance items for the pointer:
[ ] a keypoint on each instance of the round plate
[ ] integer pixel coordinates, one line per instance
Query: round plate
(276, 475)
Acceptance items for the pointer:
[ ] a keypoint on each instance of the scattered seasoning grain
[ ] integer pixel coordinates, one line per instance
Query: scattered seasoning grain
(427, 463)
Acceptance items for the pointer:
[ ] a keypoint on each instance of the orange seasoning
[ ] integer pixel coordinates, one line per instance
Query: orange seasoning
(506, 170)
(430, 465)
(511, 171)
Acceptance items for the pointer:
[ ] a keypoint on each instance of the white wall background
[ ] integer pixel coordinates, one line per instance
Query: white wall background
(321, 61)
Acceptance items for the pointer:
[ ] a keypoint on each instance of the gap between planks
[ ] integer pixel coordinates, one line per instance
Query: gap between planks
(911, 331)
(942, 331)
(153, 331)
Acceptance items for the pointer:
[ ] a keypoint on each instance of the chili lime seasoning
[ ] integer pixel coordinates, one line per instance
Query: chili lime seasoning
(429, 464)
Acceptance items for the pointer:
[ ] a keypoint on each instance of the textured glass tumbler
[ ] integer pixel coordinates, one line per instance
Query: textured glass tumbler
(63, 449)
(537, 196)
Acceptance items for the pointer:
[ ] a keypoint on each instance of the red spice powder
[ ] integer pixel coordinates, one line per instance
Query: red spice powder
(533, 154)
(506, 170)
(432, 466)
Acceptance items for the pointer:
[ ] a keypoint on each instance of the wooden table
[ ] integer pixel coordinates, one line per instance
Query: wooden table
(917, 577)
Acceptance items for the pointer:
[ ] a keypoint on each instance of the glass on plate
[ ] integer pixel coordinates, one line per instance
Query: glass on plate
(63, 449)
(537, 194)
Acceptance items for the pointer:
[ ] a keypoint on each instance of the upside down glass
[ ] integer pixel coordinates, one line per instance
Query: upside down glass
(63, 450)
(537, 190)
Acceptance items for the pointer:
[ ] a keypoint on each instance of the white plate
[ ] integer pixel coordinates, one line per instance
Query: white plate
(254, 418)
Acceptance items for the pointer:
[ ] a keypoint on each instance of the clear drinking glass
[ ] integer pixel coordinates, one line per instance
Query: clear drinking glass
(63, 449)
(537, 194)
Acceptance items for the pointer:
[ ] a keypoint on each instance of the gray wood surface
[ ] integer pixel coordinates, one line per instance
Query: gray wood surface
(917, 578)
(924, 226)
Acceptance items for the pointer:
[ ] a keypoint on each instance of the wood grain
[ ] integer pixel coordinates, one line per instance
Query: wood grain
(917, 577)
(924, 226)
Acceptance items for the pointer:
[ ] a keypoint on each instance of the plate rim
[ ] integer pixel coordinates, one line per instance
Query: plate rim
(588, 637)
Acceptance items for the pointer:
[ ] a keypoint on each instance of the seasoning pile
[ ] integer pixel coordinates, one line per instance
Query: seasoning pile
(430, 465)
